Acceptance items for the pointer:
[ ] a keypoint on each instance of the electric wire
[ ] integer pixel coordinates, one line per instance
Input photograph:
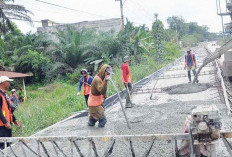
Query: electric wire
(133, 20)
(141, 10)
(24, 20)
(64, 7)
(81, 18)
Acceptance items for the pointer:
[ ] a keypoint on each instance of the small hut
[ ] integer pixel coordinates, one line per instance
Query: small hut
(14, 75)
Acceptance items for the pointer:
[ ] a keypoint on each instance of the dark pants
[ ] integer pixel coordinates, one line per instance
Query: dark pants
(127, 95)
(4, 132)
(189, 74)
(102, 122)
(86, 99)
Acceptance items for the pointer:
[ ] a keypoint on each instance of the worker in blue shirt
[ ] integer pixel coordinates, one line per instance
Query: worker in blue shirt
(85, 81)
(190, 64)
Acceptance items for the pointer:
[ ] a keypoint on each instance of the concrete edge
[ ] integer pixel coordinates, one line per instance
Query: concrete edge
(222, 83)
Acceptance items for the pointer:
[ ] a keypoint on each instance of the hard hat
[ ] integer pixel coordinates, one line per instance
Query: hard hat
(13, 90)
(126, 58)
(84, 71)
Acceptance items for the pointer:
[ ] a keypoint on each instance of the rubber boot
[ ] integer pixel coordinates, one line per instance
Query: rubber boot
(92, 122)
(194, 72)
(102, 122)
(189, 76)
(128, 102)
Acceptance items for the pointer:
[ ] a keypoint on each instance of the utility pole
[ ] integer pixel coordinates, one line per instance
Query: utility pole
(219, 12)
(156, 15)
(122, 16)
(223, 30)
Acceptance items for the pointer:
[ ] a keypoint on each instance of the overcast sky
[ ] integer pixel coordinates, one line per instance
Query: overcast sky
(138, 11)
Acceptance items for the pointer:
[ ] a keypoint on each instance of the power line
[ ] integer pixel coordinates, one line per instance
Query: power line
(33, 3)
(80, 11)
(133, 12)
(139, 8)
(24, 20)
(141, 16)
(144, 9)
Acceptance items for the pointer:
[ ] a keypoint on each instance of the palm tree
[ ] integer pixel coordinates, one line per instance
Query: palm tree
(67, 51)
(11, 11)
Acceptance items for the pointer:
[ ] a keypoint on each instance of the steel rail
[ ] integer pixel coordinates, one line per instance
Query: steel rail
(178, 136)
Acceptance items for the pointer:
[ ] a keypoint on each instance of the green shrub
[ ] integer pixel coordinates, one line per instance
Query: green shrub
(172, 51)
(36, 63)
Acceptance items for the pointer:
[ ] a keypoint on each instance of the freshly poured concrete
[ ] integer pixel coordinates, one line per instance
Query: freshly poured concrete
(165, 113)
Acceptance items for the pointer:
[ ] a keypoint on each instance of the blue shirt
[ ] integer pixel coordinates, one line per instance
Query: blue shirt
(189, 60)
(85, 80)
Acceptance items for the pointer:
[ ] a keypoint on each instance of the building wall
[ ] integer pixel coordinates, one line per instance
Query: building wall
(100, 25)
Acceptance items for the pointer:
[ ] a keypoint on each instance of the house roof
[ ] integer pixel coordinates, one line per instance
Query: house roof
(14, 74)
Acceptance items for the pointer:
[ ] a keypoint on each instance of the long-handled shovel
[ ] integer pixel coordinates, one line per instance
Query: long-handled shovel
(120, 100)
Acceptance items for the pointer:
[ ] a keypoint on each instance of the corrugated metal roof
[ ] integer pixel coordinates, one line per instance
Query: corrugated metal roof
(14, 74)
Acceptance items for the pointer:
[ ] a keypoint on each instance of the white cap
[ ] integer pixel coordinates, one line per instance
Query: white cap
(4, 79)
(13, 90)
(126, 58)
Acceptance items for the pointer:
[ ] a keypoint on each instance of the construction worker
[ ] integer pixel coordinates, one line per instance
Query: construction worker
(190, 64)
(6, 112)
(97, 95)
(14, 97)
(86, 81)
(127, 80)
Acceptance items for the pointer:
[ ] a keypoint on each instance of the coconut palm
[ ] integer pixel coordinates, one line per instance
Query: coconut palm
(67, 52)
(11, 11)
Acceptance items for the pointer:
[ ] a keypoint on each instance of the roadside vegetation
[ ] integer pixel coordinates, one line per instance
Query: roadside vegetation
(56, 64)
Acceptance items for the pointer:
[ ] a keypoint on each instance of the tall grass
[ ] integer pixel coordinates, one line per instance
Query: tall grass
(55, 102)
(45, 107)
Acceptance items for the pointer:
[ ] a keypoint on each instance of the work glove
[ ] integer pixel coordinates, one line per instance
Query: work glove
(78, 93)
(107, 77)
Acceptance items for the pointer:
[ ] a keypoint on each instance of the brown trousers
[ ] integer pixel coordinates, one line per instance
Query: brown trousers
(96, 112)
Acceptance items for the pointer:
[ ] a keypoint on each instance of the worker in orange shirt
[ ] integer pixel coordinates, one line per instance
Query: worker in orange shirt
(127, 80)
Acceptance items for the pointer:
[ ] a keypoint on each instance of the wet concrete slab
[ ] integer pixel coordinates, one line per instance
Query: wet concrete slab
(165, 113)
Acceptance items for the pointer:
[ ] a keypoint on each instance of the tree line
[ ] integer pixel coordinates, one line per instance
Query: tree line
(49, 60)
